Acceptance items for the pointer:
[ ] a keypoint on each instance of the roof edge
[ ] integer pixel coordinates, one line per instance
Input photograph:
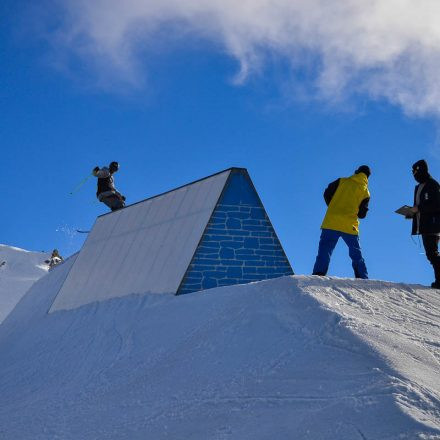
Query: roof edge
(179, 187)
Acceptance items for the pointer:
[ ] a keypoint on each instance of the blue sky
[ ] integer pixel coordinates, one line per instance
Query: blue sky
(189, 98)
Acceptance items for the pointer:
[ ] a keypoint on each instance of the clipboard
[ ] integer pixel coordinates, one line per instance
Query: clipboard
(405, 210)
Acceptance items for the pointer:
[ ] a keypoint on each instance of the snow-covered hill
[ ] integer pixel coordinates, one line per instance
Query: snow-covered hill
(19, 269)
(292, 358)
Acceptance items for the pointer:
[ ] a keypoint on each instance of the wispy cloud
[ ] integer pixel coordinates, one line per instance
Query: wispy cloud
(385, 49)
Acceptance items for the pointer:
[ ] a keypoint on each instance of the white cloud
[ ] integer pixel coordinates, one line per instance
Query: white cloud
(383, 48)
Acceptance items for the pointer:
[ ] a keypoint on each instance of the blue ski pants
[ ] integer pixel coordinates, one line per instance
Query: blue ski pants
(327, 243)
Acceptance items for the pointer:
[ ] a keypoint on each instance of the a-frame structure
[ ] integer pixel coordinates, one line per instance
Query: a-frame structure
(210, 233)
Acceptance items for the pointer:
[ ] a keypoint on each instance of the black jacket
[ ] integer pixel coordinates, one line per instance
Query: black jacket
(105, 180)
(427, 220)
(330, 192)
(105, 184)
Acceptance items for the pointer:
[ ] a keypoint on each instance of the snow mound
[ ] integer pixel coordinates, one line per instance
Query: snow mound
(291, 358)
(19, 269)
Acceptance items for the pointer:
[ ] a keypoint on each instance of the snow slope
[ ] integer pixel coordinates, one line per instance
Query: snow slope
(20, 270)
(292, 358)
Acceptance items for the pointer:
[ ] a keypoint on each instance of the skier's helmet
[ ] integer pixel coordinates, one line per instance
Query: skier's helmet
(113, 167)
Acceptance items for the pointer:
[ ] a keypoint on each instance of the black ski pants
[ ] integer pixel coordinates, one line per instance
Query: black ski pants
(113, 202)
(430, 243)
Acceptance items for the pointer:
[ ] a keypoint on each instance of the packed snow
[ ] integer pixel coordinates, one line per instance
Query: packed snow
(296, 357)
(19, 269)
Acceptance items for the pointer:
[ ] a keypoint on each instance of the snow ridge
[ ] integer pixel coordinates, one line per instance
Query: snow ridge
(295, 357)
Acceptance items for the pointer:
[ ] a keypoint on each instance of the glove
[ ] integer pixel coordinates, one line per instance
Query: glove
(123, 198)
(95, 170)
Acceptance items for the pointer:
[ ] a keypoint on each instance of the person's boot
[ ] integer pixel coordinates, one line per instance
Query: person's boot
(436, 283)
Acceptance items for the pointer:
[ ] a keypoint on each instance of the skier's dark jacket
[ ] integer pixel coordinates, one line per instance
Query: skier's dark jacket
(428, 222)
(105, 181)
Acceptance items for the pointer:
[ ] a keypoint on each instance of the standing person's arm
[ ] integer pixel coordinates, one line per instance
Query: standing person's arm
(363, 208)
(414, 208)
(430, 204)
(330, 191)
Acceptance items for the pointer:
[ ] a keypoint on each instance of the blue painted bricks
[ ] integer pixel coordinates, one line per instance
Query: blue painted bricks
(239, 244)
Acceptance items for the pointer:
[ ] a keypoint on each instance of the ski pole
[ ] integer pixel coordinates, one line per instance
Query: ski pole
(80, 184)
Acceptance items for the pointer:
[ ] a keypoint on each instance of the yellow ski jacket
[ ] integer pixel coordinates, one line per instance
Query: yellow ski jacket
(343, 209)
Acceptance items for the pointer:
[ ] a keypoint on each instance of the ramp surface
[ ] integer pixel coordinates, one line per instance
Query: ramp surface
(144, 248)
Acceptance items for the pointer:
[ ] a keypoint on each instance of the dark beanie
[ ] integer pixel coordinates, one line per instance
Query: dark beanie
(363, 169)
(420, 165)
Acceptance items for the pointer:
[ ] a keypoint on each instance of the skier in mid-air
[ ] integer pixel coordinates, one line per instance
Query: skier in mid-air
(107, 192)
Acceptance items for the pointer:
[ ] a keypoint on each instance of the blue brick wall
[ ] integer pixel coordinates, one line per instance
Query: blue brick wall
(239, 244)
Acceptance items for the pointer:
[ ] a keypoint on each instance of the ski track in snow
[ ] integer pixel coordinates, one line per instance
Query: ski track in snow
(293, 358)
(403, 326)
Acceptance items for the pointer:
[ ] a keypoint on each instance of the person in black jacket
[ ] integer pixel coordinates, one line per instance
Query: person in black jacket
(107, 192)
(426, 215)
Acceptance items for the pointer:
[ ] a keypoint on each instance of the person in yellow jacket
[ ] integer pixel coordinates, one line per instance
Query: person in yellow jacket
(347, 199)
